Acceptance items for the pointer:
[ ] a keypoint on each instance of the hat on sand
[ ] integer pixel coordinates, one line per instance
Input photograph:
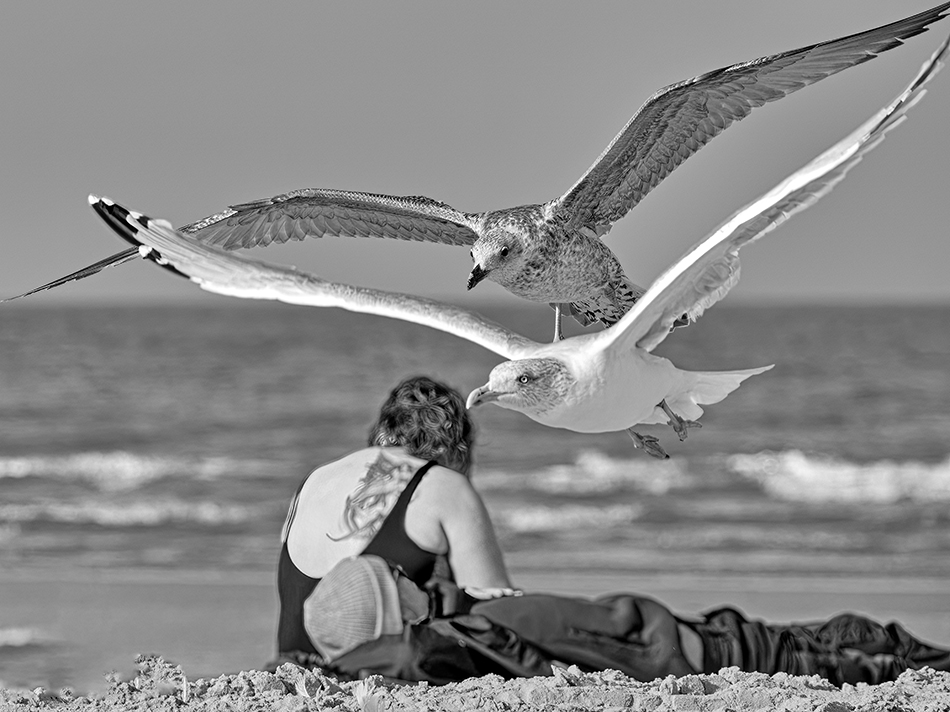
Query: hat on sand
(357, 601)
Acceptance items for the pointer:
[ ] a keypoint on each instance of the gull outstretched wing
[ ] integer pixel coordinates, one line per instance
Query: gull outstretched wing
(709, 270)
(319, 212)
(230, 274)
(312, 212)
(682, 118)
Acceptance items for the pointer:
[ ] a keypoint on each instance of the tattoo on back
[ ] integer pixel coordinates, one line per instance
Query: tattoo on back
(374, 497)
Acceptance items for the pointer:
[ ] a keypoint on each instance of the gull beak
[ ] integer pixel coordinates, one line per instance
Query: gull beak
(477, 275)
(481, 395)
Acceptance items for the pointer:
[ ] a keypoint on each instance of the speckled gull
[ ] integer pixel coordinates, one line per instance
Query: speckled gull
(553, 252)
(597, 382)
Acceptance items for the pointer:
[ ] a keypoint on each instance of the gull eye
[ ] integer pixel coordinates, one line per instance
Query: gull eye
(471, 253)
(523, 379)
(504, 251)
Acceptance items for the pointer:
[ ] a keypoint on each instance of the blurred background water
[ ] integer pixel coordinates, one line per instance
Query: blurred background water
(175, 436)
(168, 441)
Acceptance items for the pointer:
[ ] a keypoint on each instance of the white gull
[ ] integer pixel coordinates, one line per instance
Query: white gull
(597, 382)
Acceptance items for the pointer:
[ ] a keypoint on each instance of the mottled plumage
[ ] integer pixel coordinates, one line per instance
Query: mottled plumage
(598, 382)
(553, 252)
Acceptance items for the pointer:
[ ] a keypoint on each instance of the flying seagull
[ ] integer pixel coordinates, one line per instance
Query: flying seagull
(597, 382)
(553, 252)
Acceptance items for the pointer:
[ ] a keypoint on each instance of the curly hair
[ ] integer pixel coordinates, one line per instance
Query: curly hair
(429, 420)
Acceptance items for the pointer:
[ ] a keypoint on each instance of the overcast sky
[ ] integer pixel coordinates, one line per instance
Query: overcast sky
(178, 109)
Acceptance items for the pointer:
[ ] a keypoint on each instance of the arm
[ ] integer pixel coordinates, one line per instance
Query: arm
(474, 553)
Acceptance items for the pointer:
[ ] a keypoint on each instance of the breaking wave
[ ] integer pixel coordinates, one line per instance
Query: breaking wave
(117, 471)
(128, 514)
(535, 519)
(21, 637)
(594, 473)
(794, 475)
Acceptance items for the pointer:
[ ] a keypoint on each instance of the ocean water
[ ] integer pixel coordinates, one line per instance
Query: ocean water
(166, 442)
(173, 438)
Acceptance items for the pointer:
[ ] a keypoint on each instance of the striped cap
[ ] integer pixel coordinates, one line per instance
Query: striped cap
(357, 601)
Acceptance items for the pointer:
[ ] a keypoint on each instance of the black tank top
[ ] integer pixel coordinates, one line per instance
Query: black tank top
(391, 543)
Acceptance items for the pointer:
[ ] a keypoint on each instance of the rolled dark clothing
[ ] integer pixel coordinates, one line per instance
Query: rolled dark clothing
(847, 648)
(634, 634)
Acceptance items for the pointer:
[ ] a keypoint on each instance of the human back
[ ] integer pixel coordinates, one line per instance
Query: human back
(342, 506)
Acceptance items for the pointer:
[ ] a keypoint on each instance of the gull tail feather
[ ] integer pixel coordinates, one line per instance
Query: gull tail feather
(706, 388)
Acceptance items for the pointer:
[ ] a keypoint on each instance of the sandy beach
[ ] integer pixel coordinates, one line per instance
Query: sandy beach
(90, 630)
(161, 686)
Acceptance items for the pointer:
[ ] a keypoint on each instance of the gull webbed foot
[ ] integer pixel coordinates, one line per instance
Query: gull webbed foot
(648, 443)
(680, 425)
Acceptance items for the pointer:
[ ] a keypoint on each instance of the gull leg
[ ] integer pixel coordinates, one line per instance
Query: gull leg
(558, 334)
(679, 425)
(647, 443)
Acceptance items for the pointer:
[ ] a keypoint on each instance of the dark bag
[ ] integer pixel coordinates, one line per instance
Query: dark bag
(448, 646)
(442, 651)
(366, 617)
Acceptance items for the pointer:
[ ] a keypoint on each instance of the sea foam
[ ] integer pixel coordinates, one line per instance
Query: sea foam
(594, 473)
(795, 475)
(20, 637)
(536, 519)
(117, 470)
(153, 512)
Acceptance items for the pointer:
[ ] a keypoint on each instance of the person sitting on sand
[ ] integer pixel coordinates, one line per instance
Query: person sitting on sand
(406, 498)
(390, 565)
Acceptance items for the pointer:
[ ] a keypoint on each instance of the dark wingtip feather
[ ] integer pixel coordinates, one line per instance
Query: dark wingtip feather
(111, 261)
(95, 268)
(115, 217)
(123, 222)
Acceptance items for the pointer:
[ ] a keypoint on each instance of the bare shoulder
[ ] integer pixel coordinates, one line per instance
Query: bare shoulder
(450, 497)
(448, 485)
